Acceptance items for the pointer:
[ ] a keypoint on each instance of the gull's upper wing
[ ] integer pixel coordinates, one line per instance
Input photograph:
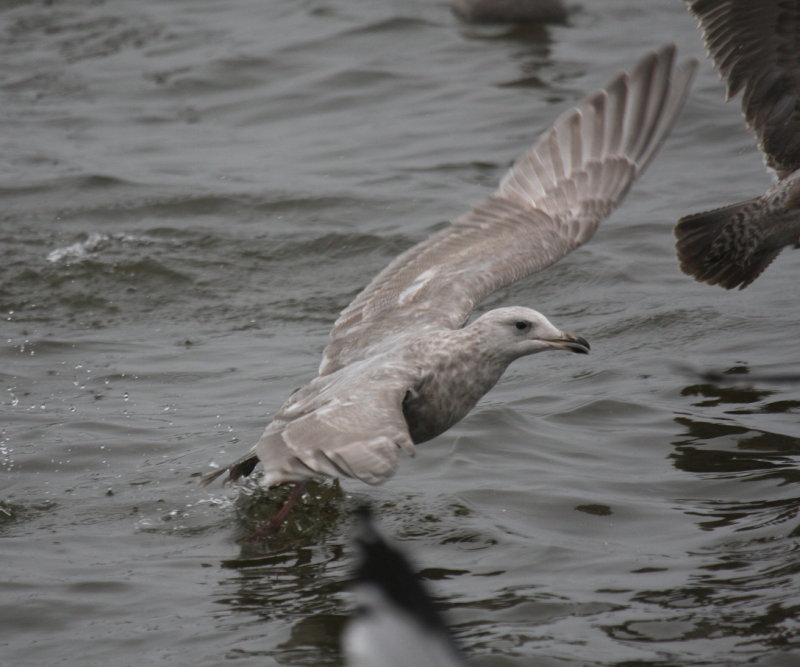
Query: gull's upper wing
(755, 46)
(549, 203)
(347, 424)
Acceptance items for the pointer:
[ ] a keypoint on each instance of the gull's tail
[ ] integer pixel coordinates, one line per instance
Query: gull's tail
(725, 246)
(239, 468)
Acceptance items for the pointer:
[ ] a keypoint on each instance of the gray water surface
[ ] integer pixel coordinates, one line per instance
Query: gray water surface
(192, 190)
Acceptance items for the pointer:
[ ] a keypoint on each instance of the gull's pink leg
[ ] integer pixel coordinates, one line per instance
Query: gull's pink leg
(275, 522)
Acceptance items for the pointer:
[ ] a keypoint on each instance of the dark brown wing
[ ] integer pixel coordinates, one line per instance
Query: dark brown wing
(755, 45)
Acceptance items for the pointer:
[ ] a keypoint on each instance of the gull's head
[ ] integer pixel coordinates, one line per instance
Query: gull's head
(520, 331)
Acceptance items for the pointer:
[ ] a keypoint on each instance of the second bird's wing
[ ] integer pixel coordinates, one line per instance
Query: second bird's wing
(755, 46)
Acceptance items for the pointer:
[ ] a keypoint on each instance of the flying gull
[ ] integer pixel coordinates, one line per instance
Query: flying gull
(507, 11)
(402, 365)
(756, 48)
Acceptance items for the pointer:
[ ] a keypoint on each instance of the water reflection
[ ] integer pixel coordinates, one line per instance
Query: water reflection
(737, 375)
(299, 578)
(746, 515)
(720, 395)
(742, 598)
(534, 43)
(740, 595)
(738, 449)
(723, 443)
(292, 580)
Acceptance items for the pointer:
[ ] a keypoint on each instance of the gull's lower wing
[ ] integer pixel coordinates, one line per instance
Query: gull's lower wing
(549, 203)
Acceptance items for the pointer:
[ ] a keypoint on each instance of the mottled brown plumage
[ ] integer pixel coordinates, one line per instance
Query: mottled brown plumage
(401, 366)
(756, 48)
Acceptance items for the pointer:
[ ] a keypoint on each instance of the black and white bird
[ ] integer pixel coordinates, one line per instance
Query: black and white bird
(395, 623)
(755, 45)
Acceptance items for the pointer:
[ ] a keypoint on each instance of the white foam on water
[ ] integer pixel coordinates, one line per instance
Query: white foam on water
(94, 243)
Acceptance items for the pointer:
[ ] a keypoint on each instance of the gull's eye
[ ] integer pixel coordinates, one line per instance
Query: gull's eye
(522, 325)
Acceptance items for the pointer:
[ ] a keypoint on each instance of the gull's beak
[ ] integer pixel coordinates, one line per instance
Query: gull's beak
(567, 341)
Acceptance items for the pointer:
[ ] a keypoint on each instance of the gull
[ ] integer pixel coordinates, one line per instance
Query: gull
(395, 623)
(756, 48)
(402, 364)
